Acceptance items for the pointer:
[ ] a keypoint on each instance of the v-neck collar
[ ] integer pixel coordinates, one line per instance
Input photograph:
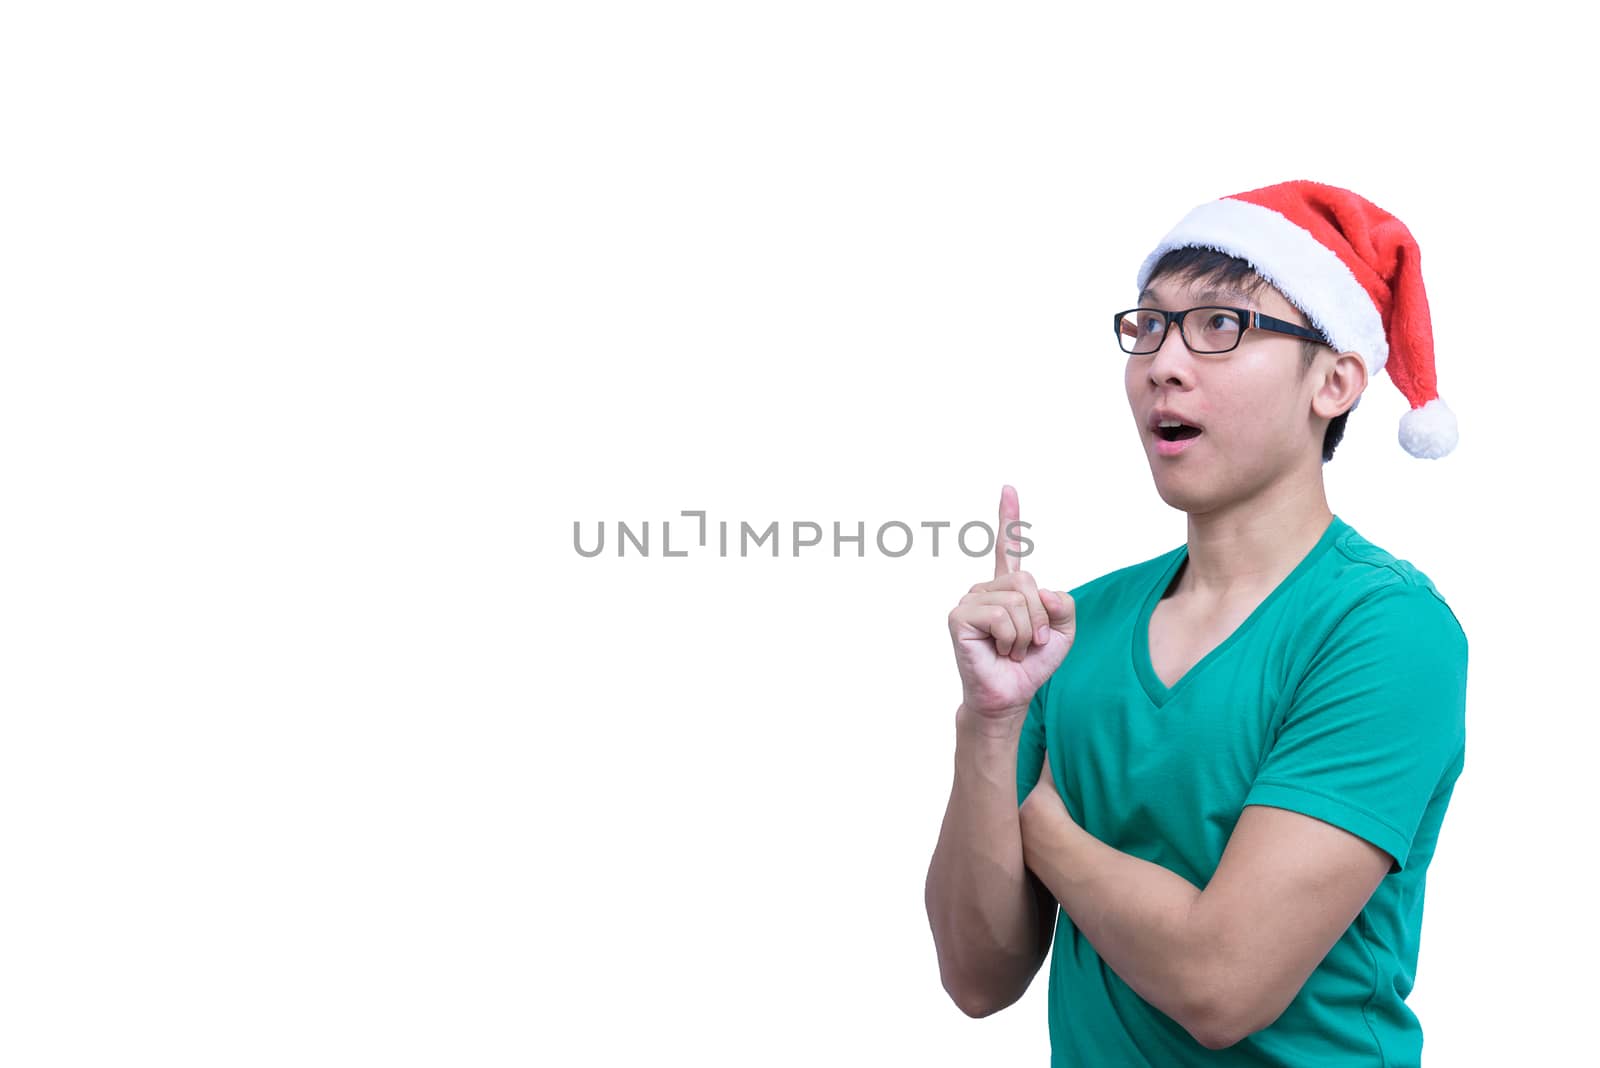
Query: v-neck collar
(1157, 690)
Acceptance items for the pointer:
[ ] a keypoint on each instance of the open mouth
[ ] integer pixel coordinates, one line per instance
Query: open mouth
(1177, 433)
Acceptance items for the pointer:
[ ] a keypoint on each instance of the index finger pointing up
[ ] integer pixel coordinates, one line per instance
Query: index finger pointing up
(1010, 512)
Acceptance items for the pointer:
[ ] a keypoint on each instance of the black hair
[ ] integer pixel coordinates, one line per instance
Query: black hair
(1222, 270)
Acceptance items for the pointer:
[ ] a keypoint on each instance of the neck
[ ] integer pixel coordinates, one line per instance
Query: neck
(1242, 550)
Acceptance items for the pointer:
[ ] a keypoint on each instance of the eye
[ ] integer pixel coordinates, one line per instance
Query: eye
(1221, 321)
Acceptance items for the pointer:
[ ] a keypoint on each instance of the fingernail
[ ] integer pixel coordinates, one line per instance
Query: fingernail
(1042, 636)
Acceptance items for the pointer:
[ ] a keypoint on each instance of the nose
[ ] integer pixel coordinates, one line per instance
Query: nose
(1161, 369)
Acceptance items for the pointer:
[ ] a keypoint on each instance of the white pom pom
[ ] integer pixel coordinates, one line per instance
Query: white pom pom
(1428, 432)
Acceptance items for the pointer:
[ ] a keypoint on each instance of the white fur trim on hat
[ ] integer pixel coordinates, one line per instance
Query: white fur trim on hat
(1307, 272)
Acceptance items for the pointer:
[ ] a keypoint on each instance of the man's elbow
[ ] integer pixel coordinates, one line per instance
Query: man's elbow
(975, 1007)
(979, 999)
(1224, 1016)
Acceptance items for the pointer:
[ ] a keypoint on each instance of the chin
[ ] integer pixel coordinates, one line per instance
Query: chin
(1187, 491)
(1183, 502)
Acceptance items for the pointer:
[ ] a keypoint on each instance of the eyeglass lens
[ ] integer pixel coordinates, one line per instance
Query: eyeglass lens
(1204, 330)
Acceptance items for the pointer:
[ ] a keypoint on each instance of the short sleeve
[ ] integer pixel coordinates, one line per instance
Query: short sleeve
(1378, 722)
(1030, 747)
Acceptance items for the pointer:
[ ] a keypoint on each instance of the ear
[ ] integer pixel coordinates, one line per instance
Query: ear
(1338, 384)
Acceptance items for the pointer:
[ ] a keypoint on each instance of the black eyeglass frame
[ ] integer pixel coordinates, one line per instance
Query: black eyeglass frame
(1253, 320)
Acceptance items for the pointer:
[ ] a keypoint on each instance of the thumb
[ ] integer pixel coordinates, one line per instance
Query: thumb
(1061, 608)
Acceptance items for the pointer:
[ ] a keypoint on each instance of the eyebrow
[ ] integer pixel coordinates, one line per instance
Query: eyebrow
(1207, 296)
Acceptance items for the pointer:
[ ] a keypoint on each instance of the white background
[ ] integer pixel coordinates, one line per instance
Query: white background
(323, 324)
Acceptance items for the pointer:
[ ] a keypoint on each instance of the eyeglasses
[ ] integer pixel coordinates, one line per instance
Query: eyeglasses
(1212, 330)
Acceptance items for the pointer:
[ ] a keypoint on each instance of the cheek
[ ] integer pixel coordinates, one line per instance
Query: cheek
(1247, 403)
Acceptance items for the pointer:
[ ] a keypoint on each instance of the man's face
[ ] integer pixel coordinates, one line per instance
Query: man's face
(1252, 404)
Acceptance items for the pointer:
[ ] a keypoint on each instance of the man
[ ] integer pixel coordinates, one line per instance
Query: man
(1233, 785)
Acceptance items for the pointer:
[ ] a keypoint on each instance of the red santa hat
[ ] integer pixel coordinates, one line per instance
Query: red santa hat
(1352, 268)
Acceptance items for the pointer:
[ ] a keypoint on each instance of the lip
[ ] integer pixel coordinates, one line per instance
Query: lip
(1157, 415)
(1173, 448)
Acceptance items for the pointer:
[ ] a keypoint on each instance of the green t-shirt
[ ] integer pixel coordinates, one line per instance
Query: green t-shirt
(1342, 696)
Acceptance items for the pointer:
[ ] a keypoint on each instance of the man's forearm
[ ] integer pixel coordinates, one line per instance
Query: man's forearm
(1137, 915)
(980, 897)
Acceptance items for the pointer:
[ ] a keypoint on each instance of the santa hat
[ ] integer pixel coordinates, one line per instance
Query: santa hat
(1352, 268)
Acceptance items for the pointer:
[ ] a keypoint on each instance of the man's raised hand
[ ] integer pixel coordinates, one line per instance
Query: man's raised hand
(1009, 635)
